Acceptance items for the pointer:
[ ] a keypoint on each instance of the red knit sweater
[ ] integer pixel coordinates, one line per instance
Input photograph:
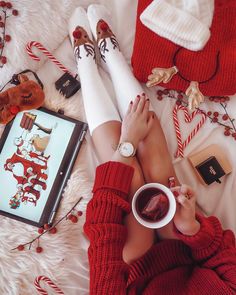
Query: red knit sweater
(200, 265)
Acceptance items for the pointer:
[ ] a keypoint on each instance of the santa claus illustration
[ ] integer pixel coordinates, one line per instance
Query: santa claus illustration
(26, 150)
(26, 173)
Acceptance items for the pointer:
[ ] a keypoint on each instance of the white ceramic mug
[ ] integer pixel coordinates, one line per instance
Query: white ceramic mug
(171, 211)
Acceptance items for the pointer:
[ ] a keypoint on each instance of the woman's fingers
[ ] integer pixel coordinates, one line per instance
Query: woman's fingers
(146, 106)
(141, 103)
(183, 201)
(187, 190)
(130, 106)
(136, 103)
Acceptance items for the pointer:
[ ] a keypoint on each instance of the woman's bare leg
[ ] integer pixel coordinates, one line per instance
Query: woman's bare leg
(154, 156)
(155, 160)
(140, 239)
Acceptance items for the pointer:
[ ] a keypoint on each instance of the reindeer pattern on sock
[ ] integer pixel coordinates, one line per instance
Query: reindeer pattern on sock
(104, 33)
(81, 38)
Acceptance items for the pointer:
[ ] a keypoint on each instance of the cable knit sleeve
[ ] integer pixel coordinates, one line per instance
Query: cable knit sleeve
(214, 249)
(104, 228)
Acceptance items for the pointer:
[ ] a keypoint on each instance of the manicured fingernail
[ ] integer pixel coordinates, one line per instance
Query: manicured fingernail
(147, 99)
(143, 94)
(138, 96)
(131, 102)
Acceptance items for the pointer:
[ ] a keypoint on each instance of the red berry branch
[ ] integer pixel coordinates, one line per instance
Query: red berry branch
(223, 120)
(6, 10)
(72, 215)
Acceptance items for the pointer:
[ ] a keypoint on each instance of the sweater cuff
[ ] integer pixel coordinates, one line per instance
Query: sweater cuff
(113, 175)
(176, 25)
(207, 240)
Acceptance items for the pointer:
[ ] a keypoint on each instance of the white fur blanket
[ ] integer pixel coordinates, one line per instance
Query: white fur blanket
(64, 258)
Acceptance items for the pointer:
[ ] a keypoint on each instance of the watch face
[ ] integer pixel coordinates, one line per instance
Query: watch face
(126, 149)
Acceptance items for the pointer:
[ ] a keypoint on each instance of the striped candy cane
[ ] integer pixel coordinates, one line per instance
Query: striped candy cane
(188, 118)
(49, 282)
(46, 52)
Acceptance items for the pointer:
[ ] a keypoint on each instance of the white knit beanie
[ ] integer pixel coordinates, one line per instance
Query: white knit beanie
(184, 22)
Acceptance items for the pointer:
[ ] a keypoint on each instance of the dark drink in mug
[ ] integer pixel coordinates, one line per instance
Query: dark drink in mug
(153, 205)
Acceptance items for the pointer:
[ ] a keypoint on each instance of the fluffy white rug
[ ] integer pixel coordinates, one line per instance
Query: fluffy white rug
(42, 21)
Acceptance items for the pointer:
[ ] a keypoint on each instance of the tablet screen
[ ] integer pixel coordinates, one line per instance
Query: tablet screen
(30, 160)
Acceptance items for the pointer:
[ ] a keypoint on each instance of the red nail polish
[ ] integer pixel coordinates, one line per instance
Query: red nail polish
(143, 94)
(138, 96)
(147, 99)
(131, 102)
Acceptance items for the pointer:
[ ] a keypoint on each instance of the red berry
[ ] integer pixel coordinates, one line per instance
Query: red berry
(104, 26)
(214, 120)
(79, 213)
(8, 5)
(53, 230)
(159, 92)
(227, 133)
(225, 117)
(211, 98)
(217, 99)
(3, 3)
(178, 102)
(223, 99)
(1, 24)
(46, 226)
(166, 91)
(41, 230)
(15, 12)
(74, 219)
(20, 248)
(209, 113)
(7, 38)
(1, 45)
(39, 249)
(234, 134)
(4, 60)
(215, 114)
(159, 97)
(180, 96)
(77, 34)
(227, 98)
(70, 216)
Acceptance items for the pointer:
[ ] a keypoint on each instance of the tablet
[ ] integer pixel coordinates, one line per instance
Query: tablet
(37, 153)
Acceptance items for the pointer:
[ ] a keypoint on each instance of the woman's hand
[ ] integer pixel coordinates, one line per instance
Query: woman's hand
(137, 121)
(184, 218)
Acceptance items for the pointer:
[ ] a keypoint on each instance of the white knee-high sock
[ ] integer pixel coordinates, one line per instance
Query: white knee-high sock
(98, 105)
(125, 84)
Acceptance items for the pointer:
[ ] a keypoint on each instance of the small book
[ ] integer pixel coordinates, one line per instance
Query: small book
(210, 170)
(37, 153)
(210, 164)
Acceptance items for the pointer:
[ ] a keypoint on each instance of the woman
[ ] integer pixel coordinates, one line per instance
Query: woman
(191, 255)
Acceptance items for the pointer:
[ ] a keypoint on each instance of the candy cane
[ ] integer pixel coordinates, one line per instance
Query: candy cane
(46, 52)
(195, 130)
(49, 282)
(188, 119)
(180, 150)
